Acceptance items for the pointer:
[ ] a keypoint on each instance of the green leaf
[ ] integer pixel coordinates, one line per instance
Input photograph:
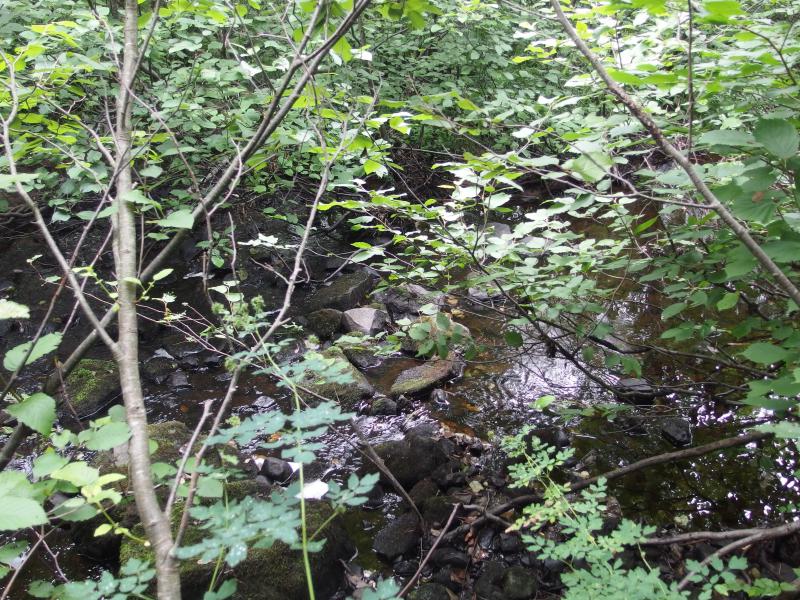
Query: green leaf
(726, 137)
(672, 310)
(180, 219)
(17, 513)
(12, 310)
(37, 411)
(513, 339)
(151, 171)
(161, 274)
(208, 487)
(729, 300)
(8, 182)
(106, 437)
(77, 473)
(45, 345)
(778, 136)
(764, 353)
(47, 463)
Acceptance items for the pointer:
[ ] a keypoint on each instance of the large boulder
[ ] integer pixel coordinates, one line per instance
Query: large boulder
(406, 300)
(91, 387)
(366, 320)
(343, 294)
(425, 375)
(347, 394)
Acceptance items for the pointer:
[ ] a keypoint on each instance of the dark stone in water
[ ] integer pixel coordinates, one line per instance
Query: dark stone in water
(159, 368)
(429, 591)
(178, 381)
(405, 568)
(552, 436)
(450, 556)
(446, 576)
(423, 490)
(439, 397)
(398, 537)
(426, 375)
(510, 544)
(406, 300)
(519, 583)
(487, 538)
(676, 431)
(487, 584)
(635, 390)
(276, 469)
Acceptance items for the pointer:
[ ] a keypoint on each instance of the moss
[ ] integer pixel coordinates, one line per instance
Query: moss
(422, 377)
(347, 394)
(92, 383)
(274, 573)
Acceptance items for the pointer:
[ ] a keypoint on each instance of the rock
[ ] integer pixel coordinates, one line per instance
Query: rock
(382, 405)
(497, 229)
(424, 376)
(411, 459)
(449, 578)
(180, 348)
(274, 573)
(429, 591)
(635, 390)
(437, 509)
(158, 368)
(398, 537)
(552, 436)
(178, 381)
(519, 583)
(91, 387)
(324, 323)
(406, 300)
(510, 543)
(676, 431)
(456, 332)
(365, 320)
(344, 293)
(347, 394)
(362, 353)
(439, 397)
(276, 469)
(487, 585)
(423, 490)
(405, 568)
(450, 556)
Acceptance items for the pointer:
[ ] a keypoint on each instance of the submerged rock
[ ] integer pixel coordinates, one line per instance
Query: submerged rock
(91, 387)
(347, 394)
(383, 405)
(158, 368)
(276, 469)
(425, 376)
(413, 458)
(429, 591)
(676, 431)
(344, 293)
(178, 381)
(635, 390)
(365, 320)
(398, 537)
(324, 323)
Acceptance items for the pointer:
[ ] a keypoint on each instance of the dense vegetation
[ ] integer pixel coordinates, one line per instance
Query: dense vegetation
(615, 185)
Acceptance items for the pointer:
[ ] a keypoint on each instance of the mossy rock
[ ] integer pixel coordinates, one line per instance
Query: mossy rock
(92, 386)
(346, 292)
(424, 376)
(274, 573)
(347, 394)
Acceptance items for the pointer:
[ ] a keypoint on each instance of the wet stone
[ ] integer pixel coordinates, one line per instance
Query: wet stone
(405, 568)
(383, 405)
(676, 431)
(275, 469)
(159, 368)
(635, 390)
(424, 376)
(344, 293)
(450, 556)
(398, 537)
(178, 381)
(510, 544)
(429, 591)
(406, 300)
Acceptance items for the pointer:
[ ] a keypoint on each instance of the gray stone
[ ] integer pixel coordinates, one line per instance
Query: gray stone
(324, 323)
(91, 387)
(676, 431)
(178, 381)
(344, 293)
(180, 348)
(424, 376)
(406, 300)
(439, 397)
(519, 583)
(498, 229)
(365, 320)
(398, 537)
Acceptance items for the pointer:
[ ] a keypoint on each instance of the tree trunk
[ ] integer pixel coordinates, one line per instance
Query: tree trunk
(156, 524)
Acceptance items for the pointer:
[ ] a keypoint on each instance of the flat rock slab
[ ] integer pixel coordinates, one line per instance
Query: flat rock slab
(424, 376)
